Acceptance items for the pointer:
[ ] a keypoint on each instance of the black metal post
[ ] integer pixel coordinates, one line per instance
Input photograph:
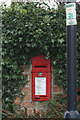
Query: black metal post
(71, 75)
(71, 67)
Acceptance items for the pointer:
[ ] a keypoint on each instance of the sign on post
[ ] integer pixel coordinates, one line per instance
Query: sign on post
(71, 14)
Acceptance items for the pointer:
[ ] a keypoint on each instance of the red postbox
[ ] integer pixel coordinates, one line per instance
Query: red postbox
(41, 78)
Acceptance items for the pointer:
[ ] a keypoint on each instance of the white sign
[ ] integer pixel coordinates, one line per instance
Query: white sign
(71, 22)
(70, 6)
(40, 85)
(71, 14)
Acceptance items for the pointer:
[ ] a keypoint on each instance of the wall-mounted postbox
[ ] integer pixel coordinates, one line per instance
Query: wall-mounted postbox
(41, 78)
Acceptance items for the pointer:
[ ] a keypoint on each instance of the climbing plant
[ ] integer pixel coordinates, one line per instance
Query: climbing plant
(28, 30)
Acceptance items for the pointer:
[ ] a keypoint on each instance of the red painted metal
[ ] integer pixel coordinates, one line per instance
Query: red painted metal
(41, 68)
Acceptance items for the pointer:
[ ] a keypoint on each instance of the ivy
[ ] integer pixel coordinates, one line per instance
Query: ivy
(30, 30)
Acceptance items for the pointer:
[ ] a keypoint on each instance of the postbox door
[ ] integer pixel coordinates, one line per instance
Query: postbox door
(41, 86)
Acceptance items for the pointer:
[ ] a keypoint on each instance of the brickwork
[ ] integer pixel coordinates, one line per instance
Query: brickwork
(33, 107)
(57, 89)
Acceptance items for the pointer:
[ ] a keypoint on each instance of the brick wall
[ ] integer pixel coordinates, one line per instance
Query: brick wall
(33, 107)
